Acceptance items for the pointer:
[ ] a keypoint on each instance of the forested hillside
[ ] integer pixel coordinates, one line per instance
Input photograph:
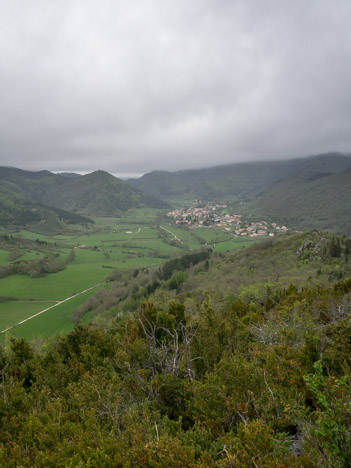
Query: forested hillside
(317, 199)
(42, 198)
(99, 194)
(227, 360)
(239, 180)
(16, 211)
(303, 193)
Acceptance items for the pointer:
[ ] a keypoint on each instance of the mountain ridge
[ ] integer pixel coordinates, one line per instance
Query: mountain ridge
(319, 200)
(234, 180)
(39, 197)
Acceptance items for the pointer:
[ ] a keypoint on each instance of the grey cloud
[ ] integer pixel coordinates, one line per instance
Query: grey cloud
(150, 84)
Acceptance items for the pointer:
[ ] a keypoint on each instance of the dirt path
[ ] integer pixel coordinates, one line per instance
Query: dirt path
(170, 232)
(51, 307)
(175, 237)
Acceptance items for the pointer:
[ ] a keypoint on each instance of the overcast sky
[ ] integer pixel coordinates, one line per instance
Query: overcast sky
(130, 86)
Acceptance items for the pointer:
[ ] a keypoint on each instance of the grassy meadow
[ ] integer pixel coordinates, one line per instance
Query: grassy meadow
(143, 238)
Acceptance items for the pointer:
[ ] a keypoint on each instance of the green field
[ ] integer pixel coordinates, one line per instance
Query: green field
(133, 241)
(55, 286)
(53, 321)
(16, 311)
(3, 256)
(29, 255)
(211, 234)
(226, 246)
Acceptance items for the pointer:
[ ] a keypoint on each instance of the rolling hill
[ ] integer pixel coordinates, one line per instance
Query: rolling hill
(313, 199)
(234, 181)
(99, 194)
(313, 192)
(28, 198)
(17, 212)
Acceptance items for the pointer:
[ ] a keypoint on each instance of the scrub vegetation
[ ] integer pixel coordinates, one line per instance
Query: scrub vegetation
(209, 360)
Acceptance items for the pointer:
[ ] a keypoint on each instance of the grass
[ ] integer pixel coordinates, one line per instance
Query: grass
(213, 234)
(4, 256)
(29, 255)
(14, 312)
(25, 255)
(32, 235)
(51, 322)
(109, 248)
(54, 286)
(229, 245)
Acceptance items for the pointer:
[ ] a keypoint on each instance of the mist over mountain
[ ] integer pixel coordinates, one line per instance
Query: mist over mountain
(99, 194)
(313, 199)
(303, 193)
(312, 192)
(234, 180)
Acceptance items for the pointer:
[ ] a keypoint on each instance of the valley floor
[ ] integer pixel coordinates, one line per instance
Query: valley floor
(141, 239)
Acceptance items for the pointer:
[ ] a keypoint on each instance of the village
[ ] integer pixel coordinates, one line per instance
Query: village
(211, 214)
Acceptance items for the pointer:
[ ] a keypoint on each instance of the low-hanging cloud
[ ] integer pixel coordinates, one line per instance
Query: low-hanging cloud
(158, 84)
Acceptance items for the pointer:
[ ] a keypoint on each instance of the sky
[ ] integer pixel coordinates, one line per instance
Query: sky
(131, 86)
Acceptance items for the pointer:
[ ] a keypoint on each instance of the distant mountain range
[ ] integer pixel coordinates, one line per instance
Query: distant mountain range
(313, 199)
(98, 194)
(29, 198)
(303, 193)
(17, 211)
(234, 180)
(313, 192)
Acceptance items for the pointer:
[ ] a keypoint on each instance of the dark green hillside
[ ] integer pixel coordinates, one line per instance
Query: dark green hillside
(163, 184)
(16, 212)
(252, 375)
(32, 185)
(235, 180)
(99, 194)
(313, 258)
(216, 183)
(319, 200)
(328, 162)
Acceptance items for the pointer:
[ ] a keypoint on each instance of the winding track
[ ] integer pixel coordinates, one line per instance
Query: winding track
(51, 307)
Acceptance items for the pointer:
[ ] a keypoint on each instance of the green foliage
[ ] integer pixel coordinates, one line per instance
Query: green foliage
(233, 181)
(319, 200)
(51, 202)
(176, 280)
(335, 247)
(257, 376)
(99, 194)
(18, 209)
(182, 263)
(329, 431)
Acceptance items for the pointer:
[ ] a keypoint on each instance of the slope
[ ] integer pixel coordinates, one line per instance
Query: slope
(319, 200)
(99, 194)
(257, 375)
(16, 212)
(314, 257)
(235, 180)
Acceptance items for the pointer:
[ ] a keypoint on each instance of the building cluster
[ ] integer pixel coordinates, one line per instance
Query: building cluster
(210, 215)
